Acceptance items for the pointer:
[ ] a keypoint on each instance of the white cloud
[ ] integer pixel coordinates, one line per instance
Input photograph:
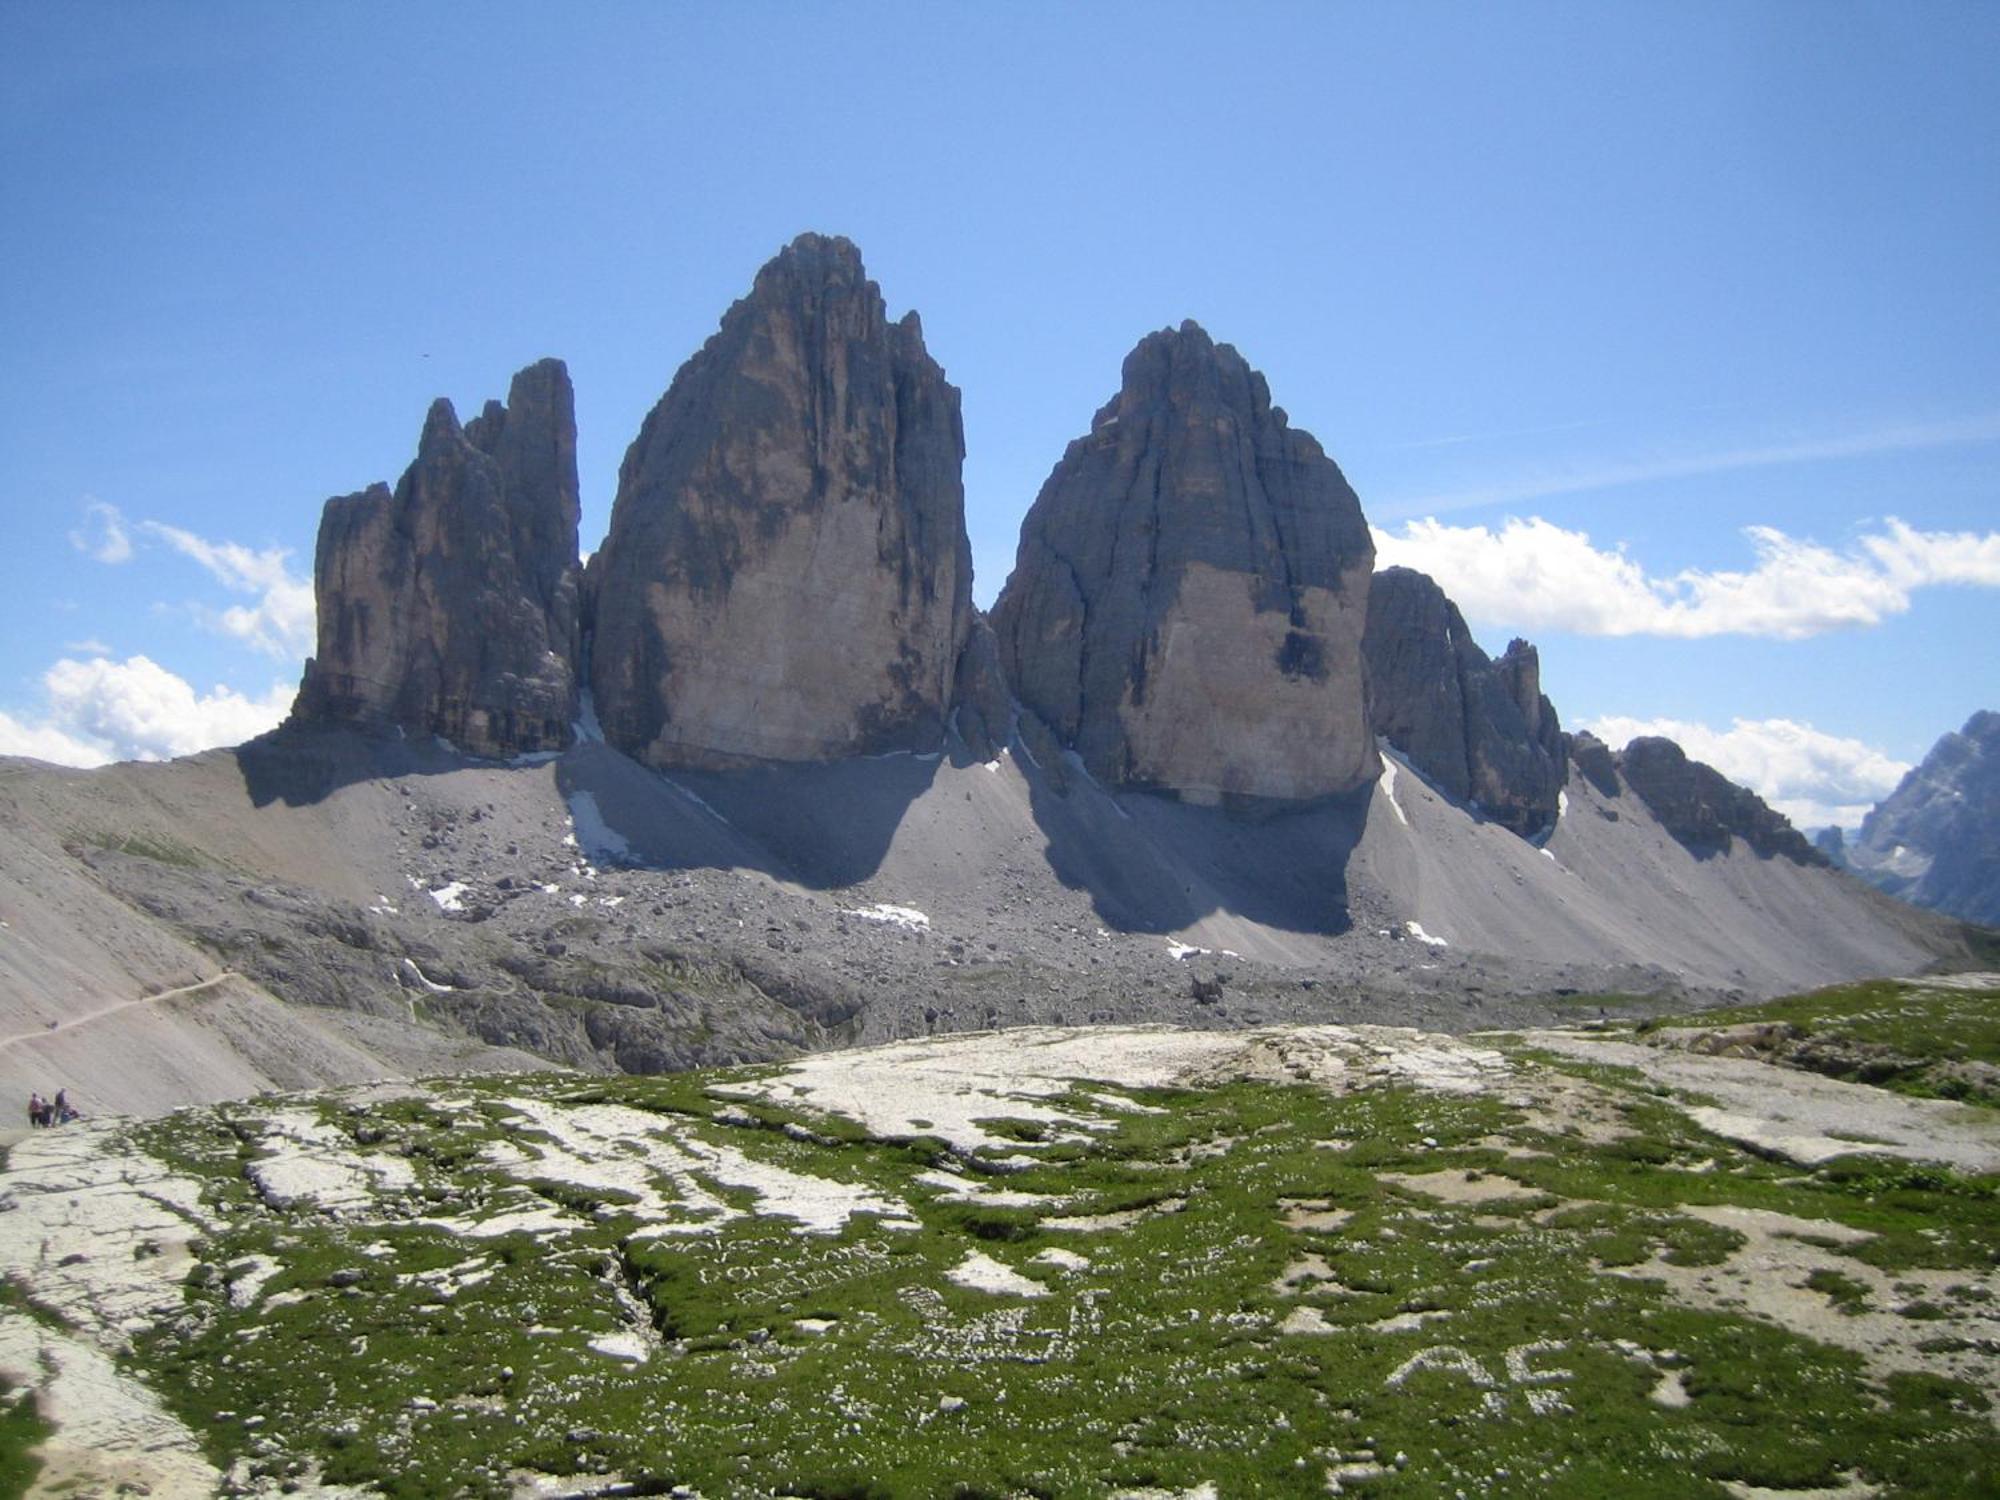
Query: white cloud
(102, 536)
(1534, 574)
(281, 622)
(1811, 777)
(103, 710)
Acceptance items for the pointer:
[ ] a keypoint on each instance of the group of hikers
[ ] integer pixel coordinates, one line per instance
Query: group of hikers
(57, 1111)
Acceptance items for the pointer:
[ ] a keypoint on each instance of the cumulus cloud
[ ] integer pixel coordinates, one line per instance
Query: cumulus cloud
(1534, 574)
(281, 621)
(103, 710)
(1811, 777)
(102, 536)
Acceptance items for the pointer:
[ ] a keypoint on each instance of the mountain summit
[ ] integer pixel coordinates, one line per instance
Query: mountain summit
(1935, 840)
(787, 576)
(1186, 609)
(450, 606)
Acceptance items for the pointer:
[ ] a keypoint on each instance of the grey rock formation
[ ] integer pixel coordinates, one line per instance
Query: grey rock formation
(1595, 762)
(1187, 603)
(1704, 809)
(450, 606)
(787, 575)
(984, 707)
(1478, 729)
(1935, 840)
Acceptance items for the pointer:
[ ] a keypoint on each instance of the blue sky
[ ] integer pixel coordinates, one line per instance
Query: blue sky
(1578, 296)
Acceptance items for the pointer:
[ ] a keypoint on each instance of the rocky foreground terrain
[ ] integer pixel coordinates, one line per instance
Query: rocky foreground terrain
(1653, 1261)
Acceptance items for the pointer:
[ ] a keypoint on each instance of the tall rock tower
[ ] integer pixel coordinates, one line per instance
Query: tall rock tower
(1187, 605)
(787, 575)
(450, 606)
(1480, 729)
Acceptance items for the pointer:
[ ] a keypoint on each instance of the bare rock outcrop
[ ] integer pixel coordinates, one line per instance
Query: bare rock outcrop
(787, 575)
(1187, 604)
(1703, 809)
(1480, 730)
(449, 606)
(1935, 840)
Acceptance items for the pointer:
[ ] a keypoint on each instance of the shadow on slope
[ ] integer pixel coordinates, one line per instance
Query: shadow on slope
(825, 826)
(302, 767)
(1150, 863)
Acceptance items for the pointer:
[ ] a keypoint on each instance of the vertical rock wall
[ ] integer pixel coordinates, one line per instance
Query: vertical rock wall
(1186, 608)
(787, 575)
(449, 606)
(1479, 729)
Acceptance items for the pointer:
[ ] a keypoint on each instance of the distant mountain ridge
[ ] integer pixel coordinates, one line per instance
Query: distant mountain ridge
(1935, 840)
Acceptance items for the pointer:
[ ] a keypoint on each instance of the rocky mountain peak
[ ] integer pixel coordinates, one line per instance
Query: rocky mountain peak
(1478, 729)
(787, 575)
(449, 607)
(1935, 840)
(1186, 607)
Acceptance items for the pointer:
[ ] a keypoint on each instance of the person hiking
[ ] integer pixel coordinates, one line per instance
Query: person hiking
(38, 1112)
(60, 1112)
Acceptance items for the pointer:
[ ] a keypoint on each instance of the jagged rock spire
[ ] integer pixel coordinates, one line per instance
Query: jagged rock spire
(450, 606)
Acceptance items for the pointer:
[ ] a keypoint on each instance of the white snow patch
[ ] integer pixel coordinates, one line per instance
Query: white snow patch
(410, 968)
(597, 838)
(1416, 930)
(586, 728)
(907, 917)
(1562, 806)
(1389, 789)
(447, 896)
(982, 1273)
(552, 890)
(1180, 950)
(382, 908)
(578, 900)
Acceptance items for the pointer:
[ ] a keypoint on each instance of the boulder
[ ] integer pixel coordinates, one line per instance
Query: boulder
(450, 606)
(787, 575)
(1478, 729)
(1187, 604)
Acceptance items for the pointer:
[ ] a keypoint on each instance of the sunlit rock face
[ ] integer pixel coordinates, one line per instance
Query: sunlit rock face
(1479, 730)
(449, 607)
(1935, 840)
(1187, 605)
(787, 575)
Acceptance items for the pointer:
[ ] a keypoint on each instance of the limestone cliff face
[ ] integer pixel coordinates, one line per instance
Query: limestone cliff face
(1935, 840)
(1703, 809)
(1479, 729)
(787, 575)
(449, 606)
(1187, 604)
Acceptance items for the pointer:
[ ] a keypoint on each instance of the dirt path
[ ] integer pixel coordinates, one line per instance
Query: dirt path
(113, 1009)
